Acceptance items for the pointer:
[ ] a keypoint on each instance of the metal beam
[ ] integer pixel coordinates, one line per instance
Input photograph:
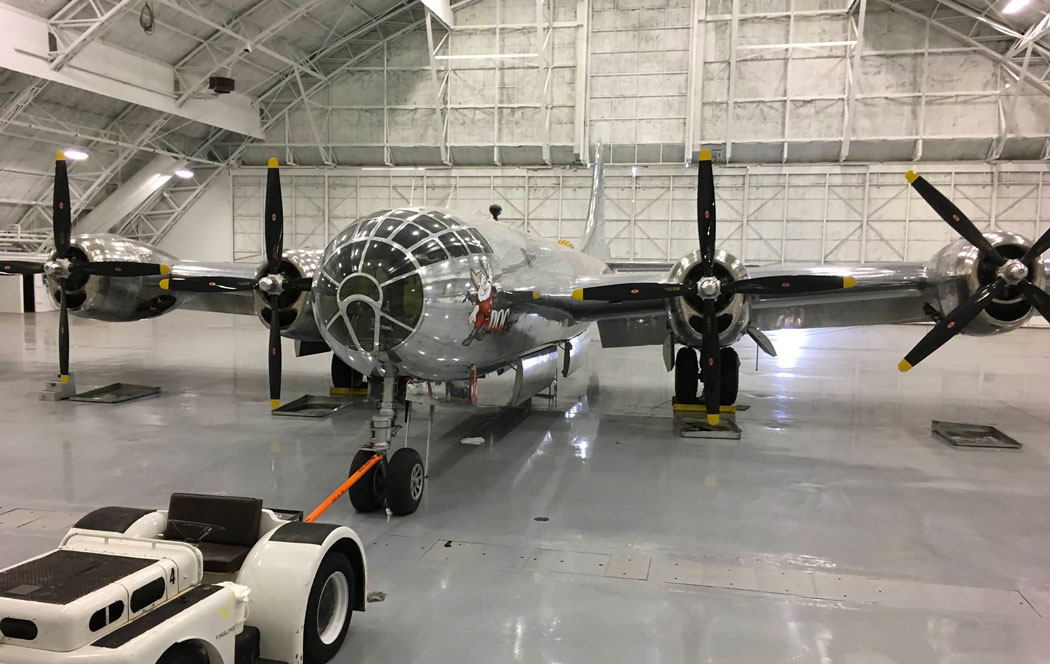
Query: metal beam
(853, 74)
(115, 73)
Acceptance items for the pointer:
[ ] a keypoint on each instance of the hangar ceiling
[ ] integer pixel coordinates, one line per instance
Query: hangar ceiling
(514, 83)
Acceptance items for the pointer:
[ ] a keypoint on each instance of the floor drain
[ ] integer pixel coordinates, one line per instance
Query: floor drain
(541, 518)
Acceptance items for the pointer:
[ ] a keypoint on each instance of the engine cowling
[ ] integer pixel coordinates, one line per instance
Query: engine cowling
(960, 269)
(294, 308)
(733, 310)
(109, 299)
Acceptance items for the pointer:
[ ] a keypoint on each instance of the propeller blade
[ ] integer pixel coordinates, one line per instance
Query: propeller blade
(207, 284)
(628, 292)
(275, 354)
(953, 216)
(120, 269)
(63, 333)
(705, 212)
(1036, 297)
(21, 267)
(789, 285)
(952, 324)
(61, 219)
(710, 352)
(1041, 245)
(274, 222)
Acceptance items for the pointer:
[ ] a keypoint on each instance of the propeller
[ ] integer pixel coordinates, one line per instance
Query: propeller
(1010, 272)
(709, 288)
(271, 284)
(61, 267)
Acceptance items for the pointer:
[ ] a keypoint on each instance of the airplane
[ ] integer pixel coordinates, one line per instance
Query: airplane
(438, 295)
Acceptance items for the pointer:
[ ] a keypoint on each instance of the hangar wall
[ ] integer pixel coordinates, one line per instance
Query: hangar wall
(767, 214)
(782, 81)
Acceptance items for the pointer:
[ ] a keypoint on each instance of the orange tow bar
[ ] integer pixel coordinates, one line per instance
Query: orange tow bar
(343, 488)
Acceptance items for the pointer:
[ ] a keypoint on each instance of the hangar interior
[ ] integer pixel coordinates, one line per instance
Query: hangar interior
(838, 528)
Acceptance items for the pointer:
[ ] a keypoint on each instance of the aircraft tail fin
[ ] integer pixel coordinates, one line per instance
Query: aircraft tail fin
(593, 242)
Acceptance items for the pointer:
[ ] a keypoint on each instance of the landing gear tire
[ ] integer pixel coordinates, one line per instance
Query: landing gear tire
(328, 608)
(686, 376)
(730, 369)
(368, 493)
(405, 481)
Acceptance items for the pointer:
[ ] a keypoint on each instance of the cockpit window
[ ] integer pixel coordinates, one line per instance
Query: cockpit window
(429, 252)
(370, 294)
(453, 244)
(409, 236)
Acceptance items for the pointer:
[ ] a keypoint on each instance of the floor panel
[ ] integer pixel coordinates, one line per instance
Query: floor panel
(838, 529)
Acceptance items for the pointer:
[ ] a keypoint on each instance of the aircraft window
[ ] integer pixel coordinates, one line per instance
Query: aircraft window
(453, 244)
(403, 215)
(409, 235)
(367, 224)
(429, 252)
(359, 285)
(387, 227)
(485, 246)
(430, 223)
(448, 220)
(403, 303)
(362, 319)
(384, 261)
(473, 245)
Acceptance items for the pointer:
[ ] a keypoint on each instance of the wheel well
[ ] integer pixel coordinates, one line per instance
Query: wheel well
(352, 551)
(204, 652)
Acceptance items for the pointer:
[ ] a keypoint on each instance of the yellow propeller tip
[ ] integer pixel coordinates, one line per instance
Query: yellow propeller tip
(165, 269)
(275, 404)
(535, 295)
(849, 282)
(272, 163)
(904, 365)
(712, 420)
(705, 155)
(164, 283)
(60, 156)
(911, 176)
(577, 294)
(64, 379)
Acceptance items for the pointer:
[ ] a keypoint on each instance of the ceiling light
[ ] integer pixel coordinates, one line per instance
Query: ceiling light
(1015, 6)
(74, 154)
(184, 173)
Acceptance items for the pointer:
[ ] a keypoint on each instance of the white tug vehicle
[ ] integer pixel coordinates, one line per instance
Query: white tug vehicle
(210, 580)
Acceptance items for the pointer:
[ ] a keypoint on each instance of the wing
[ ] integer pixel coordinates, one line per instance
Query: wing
(877, 294)
(228, 302)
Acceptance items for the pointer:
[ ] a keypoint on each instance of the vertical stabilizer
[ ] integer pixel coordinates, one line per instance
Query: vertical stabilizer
(593, 242)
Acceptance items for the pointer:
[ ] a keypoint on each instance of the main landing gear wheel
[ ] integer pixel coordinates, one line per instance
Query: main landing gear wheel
(328, 609)
(686, 376)
(405, 480)
(368, 493)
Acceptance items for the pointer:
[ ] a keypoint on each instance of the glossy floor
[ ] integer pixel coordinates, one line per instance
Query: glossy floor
(838, 529)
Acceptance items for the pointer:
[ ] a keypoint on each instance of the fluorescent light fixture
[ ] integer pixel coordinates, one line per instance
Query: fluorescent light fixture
(184, 173)
(73, 154)
(1015, 6)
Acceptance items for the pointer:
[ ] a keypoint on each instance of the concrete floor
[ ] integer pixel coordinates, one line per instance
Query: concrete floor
(837, 530)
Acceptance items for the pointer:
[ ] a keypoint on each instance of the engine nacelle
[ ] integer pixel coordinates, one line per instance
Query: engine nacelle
(294, 308)
(733, 310)
(114, 299)
(959, 270)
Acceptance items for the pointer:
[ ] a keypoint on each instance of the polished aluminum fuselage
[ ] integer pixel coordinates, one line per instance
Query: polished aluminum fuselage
(439, 348)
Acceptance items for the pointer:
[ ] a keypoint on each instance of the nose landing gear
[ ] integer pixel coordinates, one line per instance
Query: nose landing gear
(399, 480)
